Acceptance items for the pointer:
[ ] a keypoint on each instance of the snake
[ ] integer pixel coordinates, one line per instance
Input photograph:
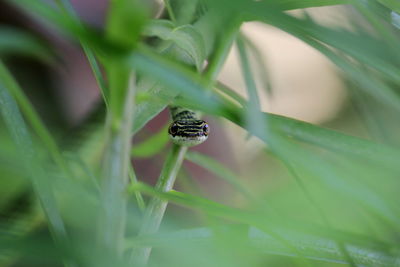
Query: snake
(187, 129)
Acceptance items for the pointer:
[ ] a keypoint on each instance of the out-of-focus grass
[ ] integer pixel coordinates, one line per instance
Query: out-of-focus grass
(339, 205)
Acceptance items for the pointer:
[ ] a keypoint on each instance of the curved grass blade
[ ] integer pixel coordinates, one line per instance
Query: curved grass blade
(152, 145)
(254, 119)
(65, 4)
(318, 248)
(294, 4)
(15, 41)
(219, 170)
(27, 109)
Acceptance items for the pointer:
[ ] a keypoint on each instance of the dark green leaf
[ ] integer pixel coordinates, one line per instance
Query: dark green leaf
(15, 41)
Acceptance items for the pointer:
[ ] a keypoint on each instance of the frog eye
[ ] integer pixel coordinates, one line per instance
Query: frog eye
(173, 129)
(206, 129)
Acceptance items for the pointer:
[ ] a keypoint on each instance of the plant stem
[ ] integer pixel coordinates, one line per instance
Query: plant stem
(115, 178)
(138, 195)
(156, 208)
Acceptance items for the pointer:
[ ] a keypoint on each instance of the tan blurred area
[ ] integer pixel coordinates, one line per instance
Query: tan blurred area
(305, 84)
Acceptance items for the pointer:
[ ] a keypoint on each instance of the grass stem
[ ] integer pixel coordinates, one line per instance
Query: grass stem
(115, 174)
(156, 208)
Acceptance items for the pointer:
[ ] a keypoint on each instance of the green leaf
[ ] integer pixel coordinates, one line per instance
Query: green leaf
(190, 40)
(159, 27)
(157, 98)
(313, 246)
(226, 90)
(175, 78)
(219, 170)
(295, 4)
(98, 75)
(261, 66)
(183, 11)
(269, 227)
(152, 145)
(125, 21)
(391, 4)
(254, 118)
(15, 41)
(90, 55)
(186, 37)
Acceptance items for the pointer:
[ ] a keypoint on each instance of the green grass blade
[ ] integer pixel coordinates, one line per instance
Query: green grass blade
(294, 4)
(152, 145)
(15, 41)
(90, 55)
(138, 195)
(223, 88)
(319, 248)
(156, 208)
(219, 170)
(261, 66)
(392, 4)
(254, 119)
(160, 28)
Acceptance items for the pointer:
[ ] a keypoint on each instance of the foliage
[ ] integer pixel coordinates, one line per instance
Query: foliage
(341, 207)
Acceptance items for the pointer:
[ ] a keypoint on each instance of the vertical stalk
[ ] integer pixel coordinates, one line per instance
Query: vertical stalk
(138, 195)
(156, 208)
(115, 175)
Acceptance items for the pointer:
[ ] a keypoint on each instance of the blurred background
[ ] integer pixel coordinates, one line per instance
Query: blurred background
(293, 80)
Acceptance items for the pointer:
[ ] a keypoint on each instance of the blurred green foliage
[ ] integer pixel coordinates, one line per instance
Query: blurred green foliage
(331, 200)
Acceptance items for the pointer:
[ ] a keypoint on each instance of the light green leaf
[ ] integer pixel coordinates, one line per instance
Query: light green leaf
(190, 40)
(160, 28)
(157, 99)
(219, 170)
(391, 4)
(186, 37)
(296, 4)
(313, 246)
(125, 21)
(152, 145)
